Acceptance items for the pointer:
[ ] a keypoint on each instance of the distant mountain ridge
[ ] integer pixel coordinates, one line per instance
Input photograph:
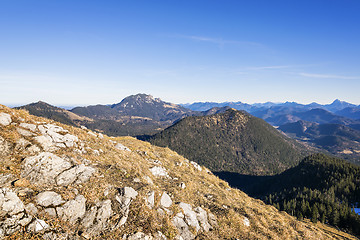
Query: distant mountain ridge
(338, 139)
(335, 106)
(139, 114)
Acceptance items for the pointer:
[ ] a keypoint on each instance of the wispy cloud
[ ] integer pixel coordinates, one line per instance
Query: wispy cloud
(219, 41)
(269, 67)
(328, 76)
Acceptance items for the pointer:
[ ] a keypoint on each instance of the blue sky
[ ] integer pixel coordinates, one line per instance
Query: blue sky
(80, 52)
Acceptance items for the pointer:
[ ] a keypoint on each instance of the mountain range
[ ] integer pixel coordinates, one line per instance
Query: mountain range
(62, 182)
(334, 107)
(142, 114)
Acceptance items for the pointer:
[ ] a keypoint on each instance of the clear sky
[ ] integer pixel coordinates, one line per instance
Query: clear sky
(80, 52)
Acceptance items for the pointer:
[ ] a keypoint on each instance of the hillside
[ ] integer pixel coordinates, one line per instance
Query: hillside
(46, 110)
(321, 188)
(337, 139)
(233, 141)
(62, 182)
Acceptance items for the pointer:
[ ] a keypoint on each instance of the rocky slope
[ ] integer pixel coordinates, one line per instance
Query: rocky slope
(61, 182)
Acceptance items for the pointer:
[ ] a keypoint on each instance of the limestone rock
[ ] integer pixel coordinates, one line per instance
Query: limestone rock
(150, 200)
(140, 236)
(165, 200)
(24, 132)
(159, 236)
(6, 179)
(25, 221)
(22, 144)
(11, 224)
(104, 212)
(49, 198)
(31, 127)
(10, 203)
(190, 216)
(159, 171)
(5, 119)
(43, 168)
(122, 147)
(55, 136)
(182, 227)
(33, 149)
(45, 142)
(78, 174)
(5, 147)
(125, 196)
(246, 222)
(196, 166)
(38, 225)
(31, 209)
(202, 217)
(92, 134)
(72, 210)
(50, 211)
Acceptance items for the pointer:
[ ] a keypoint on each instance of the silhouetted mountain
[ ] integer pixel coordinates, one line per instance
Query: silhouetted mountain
(232, 141)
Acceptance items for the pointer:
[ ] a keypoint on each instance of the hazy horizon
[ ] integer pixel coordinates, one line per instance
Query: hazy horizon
(84, 105)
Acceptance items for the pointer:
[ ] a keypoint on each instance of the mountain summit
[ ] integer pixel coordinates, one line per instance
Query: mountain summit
(144, 105)
(232, 141)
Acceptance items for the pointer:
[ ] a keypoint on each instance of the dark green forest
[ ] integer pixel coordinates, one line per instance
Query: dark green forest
(232, 141)
(320, 188)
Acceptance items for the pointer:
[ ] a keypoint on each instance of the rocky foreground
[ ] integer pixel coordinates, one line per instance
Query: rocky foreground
(61, 182)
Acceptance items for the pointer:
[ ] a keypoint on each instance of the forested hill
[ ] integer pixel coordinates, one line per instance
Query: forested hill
(232, 141)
